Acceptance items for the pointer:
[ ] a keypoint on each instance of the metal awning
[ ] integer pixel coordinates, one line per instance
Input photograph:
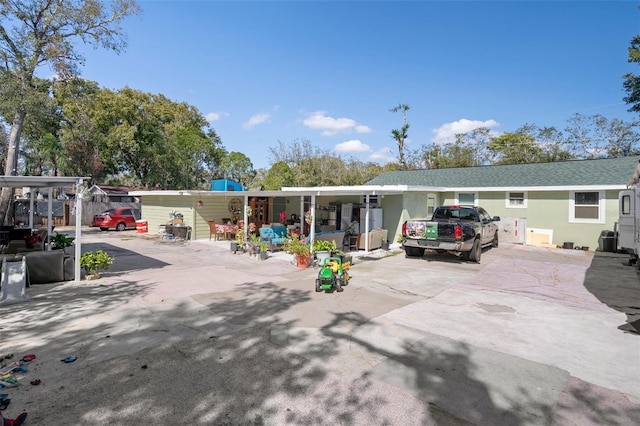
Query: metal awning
(52, 182)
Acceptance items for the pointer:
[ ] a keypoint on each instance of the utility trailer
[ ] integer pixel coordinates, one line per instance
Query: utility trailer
(629, 218)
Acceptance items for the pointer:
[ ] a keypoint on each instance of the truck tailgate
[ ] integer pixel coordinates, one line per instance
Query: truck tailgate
(420, 229)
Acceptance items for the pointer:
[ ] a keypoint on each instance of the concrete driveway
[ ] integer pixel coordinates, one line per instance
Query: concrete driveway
(189, 333)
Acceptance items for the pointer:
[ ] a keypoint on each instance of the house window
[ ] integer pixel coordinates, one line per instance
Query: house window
(516, 200)
(373, 200)
(586, 207)
(466, 198)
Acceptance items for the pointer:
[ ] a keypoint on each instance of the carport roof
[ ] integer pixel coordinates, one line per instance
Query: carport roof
(287, 191)
(39, 181)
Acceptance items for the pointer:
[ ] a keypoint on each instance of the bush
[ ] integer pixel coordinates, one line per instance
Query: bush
(296, 246)
(319, 245)
(94, 261)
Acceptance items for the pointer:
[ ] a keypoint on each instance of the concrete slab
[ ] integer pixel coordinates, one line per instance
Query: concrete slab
(580, 341)
(498, 389)
(190, 333)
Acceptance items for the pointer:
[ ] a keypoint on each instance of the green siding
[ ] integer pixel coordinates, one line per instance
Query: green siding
(545, 210)
(156, 211)
(392, 216)
(550, 210)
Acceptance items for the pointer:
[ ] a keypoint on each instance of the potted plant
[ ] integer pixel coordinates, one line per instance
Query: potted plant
(95, 261)
(32, 239)
(61, 241)
(263, 246)
(254, 244)
(300, 249)
(384, 243)
(323, 249)
(238, 243)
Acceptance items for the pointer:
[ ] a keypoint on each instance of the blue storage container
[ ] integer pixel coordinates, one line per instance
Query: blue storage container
(226, 185)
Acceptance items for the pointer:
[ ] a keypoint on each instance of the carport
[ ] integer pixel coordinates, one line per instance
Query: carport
(51, 182)
(366, 191)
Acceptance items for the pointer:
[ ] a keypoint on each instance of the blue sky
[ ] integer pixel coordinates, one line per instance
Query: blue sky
(329, 72)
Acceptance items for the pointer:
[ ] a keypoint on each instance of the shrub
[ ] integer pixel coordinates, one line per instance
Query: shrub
(94, 261)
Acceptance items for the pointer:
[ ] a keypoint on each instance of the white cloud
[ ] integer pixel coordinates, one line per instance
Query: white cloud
(363, 129)
(384, 155)
(330, 126)
(448, 131)
(353, 145)
(257, 119)
(215, 116)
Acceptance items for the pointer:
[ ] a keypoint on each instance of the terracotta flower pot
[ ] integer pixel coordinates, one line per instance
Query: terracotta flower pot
(303, 261)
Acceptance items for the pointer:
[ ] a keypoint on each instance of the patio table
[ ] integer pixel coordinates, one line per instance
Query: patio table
(227, 230)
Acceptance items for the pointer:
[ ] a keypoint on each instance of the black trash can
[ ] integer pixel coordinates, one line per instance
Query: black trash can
(608, 241)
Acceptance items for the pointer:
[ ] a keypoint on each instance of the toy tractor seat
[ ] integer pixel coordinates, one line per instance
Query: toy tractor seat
(332, 275)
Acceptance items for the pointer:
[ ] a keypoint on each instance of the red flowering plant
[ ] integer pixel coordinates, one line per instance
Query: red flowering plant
(32, 239)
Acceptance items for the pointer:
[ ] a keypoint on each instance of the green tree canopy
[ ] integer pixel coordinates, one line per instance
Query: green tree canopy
(278, 176)
(37, 33)
(237, 167)
(631, 82)
(145, 139)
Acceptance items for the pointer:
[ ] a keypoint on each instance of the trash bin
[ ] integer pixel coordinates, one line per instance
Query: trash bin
(608, 241)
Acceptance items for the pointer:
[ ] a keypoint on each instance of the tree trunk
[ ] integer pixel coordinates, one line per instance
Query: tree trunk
(11, 166)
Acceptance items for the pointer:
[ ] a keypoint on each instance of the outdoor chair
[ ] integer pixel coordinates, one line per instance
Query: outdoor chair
(213, 230)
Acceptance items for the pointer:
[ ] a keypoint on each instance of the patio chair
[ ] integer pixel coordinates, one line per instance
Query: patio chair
(213, 230)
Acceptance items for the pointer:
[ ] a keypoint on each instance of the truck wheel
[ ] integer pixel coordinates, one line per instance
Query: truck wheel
(318, 285)
(414, 251)
(476, 252)
(495, 240)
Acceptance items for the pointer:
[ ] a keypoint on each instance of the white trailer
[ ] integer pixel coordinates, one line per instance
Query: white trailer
(629, 220)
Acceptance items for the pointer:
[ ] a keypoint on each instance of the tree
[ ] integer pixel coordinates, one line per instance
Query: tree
(312, 166)
(620, 138)
(42, 32)
(468, 150)
(580, 138)
(515, 148)
(455, 154)
(237, 167)
(140, 138)
(631, 83)
(553, 144)
(596, 136)
(400, 135)
(279, 175)
(82, 140)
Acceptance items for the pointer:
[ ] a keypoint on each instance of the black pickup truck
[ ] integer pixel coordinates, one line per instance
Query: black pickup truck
(461, 230)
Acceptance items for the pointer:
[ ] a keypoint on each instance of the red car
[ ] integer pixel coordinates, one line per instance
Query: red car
(118, 219)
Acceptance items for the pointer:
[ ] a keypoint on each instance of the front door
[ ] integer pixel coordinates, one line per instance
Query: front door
(259, 212)
(627, 232)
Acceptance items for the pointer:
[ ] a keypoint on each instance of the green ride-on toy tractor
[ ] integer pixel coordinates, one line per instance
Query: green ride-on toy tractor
(332, 275)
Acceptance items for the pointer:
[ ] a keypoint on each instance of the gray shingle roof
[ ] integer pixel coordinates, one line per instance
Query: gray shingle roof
(609, 171)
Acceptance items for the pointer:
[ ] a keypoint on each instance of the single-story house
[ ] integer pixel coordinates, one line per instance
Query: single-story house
(539, 203)
(556, 202)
